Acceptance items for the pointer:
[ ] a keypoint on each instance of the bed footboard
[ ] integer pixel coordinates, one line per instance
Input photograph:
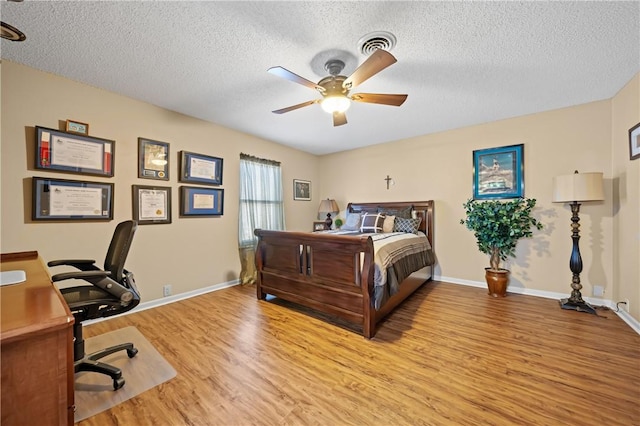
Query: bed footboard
(319, 271)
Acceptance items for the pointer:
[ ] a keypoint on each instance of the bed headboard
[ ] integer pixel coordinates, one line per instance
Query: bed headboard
(423, 209)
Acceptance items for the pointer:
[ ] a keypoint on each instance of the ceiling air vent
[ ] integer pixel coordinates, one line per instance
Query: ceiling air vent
(376, 40)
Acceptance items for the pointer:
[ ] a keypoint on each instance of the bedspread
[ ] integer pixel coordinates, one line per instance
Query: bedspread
(396, 256)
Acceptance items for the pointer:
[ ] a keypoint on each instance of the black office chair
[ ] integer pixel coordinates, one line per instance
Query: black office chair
(113, 291)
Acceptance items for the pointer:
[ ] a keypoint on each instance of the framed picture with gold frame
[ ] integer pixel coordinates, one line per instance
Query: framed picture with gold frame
(77, 127)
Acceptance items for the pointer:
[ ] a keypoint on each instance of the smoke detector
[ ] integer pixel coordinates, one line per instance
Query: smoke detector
(376, 40)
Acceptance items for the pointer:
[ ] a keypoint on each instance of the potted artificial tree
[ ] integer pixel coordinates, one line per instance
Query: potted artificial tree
(497, 226)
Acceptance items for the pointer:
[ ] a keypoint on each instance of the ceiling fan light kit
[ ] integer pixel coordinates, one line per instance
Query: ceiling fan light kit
(333, 104)
(335, 88)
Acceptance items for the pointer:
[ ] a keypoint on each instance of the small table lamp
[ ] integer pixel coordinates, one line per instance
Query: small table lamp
(574, 189)
(329, 207)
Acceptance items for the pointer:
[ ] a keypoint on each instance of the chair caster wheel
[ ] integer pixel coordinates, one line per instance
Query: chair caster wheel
(118, 383)
(132, 352)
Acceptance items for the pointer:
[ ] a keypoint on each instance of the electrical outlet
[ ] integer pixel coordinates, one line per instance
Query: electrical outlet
(166, 290)
(598, 291)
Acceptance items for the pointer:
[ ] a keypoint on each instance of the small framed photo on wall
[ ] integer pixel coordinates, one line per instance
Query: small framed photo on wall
(634, 142)
(301, 190)
(77, 127)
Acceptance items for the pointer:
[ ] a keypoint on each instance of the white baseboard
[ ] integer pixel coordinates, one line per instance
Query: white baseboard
(626, 317)
(170, 299)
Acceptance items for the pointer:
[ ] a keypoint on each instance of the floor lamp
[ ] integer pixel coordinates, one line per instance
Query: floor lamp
(574, 189)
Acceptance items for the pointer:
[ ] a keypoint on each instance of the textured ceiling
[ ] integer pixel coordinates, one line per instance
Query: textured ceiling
(461, 63)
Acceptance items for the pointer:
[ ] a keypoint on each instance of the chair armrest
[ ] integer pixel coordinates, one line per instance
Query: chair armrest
(80, 275)
(71, 262)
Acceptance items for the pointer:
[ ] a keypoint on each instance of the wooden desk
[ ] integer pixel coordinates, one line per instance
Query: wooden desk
(37, 347)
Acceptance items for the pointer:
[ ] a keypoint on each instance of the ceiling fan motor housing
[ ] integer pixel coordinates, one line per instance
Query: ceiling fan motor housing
(333, 86)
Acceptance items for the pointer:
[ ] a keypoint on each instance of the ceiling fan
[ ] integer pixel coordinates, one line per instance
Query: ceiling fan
(335, 88)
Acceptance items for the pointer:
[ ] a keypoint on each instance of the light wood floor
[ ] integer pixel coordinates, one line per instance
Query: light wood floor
(450, 355)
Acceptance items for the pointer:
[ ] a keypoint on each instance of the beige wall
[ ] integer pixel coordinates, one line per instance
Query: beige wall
(190, 253)
(626, 197)
(198, 252)
(439, 167)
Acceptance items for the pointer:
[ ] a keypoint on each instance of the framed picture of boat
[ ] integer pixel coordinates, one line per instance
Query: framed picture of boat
(498, 173)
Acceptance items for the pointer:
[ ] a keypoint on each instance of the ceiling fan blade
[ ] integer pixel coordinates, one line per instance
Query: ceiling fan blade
(294, 107)
(379, 98)
(339, 119)
(288, 75)
(379, 60)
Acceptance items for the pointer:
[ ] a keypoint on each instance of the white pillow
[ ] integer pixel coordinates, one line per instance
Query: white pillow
(352, 223)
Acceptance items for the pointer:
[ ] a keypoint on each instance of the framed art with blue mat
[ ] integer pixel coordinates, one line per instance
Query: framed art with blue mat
(197, 201)
(498, 173)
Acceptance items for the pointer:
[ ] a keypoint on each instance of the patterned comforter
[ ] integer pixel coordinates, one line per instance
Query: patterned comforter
(396, 256)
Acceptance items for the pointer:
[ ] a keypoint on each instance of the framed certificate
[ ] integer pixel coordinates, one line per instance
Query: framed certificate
(153, 159)
(196, 201)
(74, 153)
(151, 204)
(199, 168)
(59, 199)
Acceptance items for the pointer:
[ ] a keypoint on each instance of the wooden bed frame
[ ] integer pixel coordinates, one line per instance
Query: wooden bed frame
(323, 271)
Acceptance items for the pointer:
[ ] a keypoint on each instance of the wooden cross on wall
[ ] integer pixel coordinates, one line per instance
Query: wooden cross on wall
(388, 179)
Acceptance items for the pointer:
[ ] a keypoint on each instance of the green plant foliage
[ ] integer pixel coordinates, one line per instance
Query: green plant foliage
(338, 222)
(498, 225)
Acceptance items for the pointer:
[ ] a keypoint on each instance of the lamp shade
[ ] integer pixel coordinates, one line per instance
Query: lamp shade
(578, 187)
(328, 206)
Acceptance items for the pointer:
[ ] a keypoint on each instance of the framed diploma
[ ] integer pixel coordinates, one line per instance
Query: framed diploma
(198, 168)
(196, 201)
(74, 153)
(59, 199)
(153, 159)
(151, 204)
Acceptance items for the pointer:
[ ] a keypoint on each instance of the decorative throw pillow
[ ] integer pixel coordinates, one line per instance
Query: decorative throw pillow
(403, 213)
(389, 223)
(352, 223)
(407, 225)
(372, 222)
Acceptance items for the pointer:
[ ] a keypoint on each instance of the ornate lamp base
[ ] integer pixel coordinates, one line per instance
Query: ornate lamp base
(580, 306)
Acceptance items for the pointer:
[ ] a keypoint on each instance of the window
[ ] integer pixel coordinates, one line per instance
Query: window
(261, 198)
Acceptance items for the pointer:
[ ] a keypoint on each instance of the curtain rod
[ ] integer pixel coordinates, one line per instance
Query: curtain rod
(248, 157)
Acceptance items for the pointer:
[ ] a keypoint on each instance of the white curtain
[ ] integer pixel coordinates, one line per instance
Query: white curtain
(261, 206)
